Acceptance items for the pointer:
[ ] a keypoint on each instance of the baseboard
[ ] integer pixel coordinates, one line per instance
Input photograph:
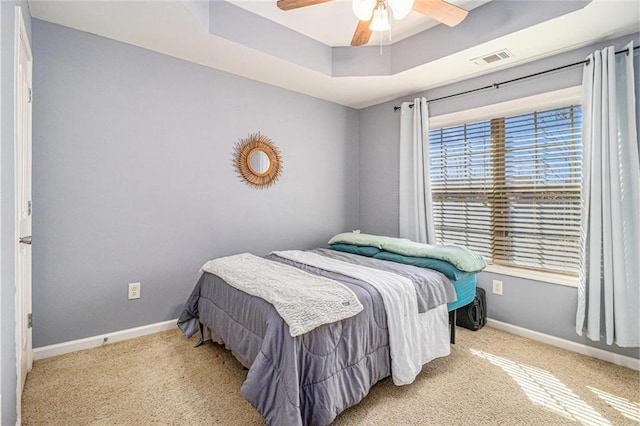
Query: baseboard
(623, 360)
(119, 336)
(95, 341)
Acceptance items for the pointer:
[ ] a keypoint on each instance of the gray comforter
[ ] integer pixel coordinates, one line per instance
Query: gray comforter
(311, 378)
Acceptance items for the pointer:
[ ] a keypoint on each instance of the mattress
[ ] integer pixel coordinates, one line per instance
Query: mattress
(466, 291)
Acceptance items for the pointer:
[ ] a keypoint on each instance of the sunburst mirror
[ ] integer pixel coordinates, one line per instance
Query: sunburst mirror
(258, 161)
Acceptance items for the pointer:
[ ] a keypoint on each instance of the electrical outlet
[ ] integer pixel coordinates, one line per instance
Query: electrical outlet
(134, 291)
(497, 287)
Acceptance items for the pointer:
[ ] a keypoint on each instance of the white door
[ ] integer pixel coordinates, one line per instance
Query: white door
(23, 96)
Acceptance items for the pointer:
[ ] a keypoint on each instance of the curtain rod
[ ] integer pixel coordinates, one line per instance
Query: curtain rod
(497, 85)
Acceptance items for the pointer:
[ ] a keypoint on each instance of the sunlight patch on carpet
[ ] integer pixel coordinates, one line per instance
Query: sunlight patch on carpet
(629, 409)
(543, 388)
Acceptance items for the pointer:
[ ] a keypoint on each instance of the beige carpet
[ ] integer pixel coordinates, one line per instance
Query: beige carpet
(491, 377)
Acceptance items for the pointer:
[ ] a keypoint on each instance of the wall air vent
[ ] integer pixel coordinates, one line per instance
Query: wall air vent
(491, 58)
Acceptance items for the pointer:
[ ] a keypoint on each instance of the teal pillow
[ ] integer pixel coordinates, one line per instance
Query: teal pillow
(446, 268)
(361, 250)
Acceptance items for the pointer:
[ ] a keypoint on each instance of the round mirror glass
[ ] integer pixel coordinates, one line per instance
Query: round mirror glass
(259, 162)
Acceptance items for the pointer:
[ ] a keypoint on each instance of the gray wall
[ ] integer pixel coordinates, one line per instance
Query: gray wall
(133, 179)
(538, 306)
(7, 209)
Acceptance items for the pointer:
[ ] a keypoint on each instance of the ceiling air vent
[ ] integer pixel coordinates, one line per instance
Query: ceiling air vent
(500, 55)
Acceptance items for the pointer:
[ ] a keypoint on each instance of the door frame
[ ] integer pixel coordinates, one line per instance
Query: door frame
(21, 41)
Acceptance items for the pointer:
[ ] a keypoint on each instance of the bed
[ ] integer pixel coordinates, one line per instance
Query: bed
(312, 377)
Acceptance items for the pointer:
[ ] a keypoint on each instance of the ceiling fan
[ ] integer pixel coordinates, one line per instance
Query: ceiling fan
(373, 15)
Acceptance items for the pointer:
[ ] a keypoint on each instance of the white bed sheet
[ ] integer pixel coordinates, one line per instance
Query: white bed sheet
(434, 326)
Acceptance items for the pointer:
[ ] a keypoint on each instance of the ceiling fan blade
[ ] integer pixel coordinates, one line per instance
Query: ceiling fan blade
(362, 34)
(295, 4)
(442, 11)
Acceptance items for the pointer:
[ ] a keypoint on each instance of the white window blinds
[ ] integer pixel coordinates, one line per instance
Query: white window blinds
(509, 188)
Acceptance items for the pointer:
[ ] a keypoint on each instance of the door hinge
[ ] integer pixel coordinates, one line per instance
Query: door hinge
(29, 320)
(30, 95)
(28, 208)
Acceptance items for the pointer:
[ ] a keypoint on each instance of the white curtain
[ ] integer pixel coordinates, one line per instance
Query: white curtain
(416, 209)
(609, 290)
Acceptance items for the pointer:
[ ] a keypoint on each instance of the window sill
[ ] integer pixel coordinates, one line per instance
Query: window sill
(546, 277)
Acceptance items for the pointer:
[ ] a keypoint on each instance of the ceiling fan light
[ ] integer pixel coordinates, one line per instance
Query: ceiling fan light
(363, 9)
(380, 20)
(400, 8)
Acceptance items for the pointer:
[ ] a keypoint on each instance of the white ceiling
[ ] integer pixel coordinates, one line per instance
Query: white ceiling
(333, 23)
(171, 28)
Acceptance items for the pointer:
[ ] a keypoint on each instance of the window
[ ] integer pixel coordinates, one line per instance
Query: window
(509, 188)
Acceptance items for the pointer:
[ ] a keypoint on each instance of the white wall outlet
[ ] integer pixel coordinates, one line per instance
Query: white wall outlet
(497, 287)
(134, 291)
